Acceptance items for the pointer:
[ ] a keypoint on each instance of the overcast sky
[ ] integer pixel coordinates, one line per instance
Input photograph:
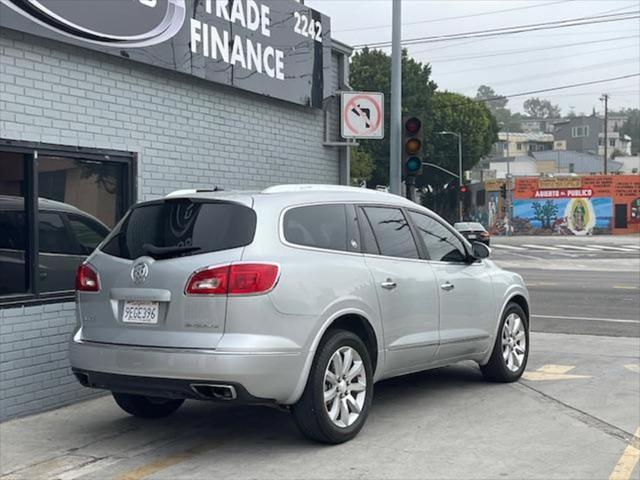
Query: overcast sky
(361, 21)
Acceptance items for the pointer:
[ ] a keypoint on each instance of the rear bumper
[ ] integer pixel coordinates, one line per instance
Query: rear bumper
(265, 377)
(164, 387)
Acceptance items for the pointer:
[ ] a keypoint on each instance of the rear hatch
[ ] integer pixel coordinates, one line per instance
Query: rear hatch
(144, 265)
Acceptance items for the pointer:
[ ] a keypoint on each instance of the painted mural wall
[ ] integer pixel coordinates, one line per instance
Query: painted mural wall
(589, 205)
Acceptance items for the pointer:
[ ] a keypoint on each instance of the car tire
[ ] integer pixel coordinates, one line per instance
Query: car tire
(146, 407)
(312, 413)
(507, 361)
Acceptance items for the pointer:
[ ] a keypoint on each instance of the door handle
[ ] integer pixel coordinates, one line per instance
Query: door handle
(389, 284)
(447, 286)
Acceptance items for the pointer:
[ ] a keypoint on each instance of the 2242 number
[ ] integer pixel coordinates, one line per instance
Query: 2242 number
(308, 27)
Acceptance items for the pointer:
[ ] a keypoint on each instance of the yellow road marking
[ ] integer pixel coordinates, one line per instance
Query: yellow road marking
(634, 367)
(163, 463)
(552, 372)
(626, 287)
(628, 460)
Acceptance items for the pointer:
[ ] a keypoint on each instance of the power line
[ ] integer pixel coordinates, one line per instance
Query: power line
(457, 17)
(546, 35)
(596, 66)
(528, 62)
(562, 87)
(526, 50)
(593, 92)
(574, 22)
(500, 31)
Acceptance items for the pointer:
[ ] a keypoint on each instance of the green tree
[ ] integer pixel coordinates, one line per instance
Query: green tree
(632, 128)
(541, 108)
(370, 70)
(493, 100)
(361, 166)
(498, 106)
(474, 122)
(546, 213)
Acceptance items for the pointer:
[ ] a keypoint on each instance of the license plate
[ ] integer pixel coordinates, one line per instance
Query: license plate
(140, 312)
(473, 236)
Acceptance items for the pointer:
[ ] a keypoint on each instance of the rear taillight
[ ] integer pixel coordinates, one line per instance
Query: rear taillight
(248, 278)
(212, 281)
(238, 279)
(87, 279)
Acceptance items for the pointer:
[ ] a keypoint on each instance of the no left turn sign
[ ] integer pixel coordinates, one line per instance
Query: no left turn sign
(362, 115)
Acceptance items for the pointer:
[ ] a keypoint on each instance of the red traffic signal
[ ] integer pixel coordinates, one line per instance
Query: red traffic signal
(412, 125)
(412, 134)
(463, 189)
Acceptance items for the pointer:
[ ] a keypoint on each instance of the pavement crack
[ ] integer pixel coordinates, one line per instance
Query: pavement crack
(584, 417)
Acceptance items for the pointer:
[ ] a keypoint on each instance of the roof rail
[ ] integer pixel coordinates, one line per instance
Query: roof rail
(288, 188)
(191, 191)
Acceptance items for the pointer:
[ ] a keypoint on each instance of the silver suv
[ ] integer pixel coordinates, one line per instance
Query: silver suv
(300, 295)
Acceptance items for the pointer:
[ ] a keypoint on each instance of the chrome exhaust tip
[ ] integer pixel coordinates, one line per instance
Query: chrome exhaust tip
(211, 391)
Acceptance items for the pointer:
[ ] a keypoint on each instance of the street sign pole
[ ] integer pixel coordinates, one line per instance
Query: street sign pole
(410, 183)
(395, 180)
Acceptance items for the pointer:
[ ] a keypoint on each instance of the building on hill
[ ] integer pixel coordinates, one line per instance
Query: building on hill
(511, 144)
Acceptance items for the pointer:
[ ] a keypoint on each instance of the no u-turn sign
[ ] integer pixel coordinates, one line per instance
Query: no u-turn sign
(362, 115)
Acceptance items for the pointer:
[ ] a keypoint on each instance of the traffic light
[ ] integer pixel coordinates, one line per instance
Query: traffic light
(412, 146)
(463, 188)
(503, 190)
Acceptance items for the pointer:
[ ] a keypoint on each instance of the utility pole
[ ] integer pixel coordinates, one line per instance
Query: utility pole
(460, 179)
(605, 97)
(395, 154)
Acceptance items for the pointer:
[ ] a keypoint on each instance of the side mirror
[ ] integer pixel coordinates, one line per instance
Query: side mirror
(480, 250)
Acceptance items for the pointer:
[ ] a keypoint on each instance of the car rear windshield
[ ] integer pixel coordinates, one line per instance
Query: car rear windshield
(179, 227)
(464, 226)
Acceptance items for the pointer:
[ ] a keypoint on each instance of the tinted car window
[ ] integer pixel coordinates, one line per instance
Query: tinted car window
(12, 230)
(369, 244)
(442, 244)
(321, 226)
(392, 232)
(87, 232)
(53, 234)
(181, 227)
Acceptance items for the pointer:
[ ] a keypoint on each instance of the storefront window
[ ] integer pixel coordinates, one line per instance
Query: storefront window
(93, 187)
(80, 198)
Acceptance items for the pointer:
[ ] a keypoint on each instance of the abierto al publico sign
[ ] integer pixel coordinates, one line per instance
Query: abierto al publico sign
(278, 48)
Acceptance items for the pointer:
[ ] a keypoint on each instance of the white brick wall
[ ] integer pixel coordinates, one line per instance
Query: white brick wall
(187, 133)
(34, 369)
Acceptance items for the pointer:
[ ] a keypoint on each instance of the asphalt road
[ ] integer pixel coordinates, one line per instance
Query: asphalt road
(575, 290)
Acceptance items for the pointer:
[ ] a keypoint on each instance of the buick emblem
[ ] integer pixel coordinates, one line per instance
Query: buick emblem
(114, 23)
(139, 273)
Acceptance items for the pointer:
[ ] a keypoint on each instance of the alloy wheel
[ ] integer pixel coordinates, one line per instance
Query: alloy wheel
(345, 387)
(514, 342)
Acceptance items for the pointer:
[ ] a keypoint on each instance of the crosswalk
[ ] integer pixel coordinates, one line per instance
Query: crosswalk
(558, 247)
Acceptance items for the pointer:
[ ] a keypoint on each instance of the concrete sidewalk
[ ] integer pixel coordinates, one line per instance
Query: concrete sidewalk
(573, 417)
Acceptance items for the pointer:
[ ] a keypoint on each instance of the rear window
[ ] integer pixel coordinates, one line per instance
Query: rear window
(180, 227)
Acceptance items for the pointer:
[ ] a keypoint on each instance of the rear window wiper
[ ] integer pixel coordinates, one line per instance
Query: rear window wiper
(167, 251)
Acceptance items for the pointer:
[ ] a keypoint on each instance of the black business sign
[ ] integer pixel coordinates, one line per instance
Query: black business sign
(278, 48)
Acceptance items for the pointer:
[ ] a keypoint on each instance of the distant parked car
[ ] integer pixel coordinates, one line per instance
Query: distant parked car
(473, 231)
(66, 236)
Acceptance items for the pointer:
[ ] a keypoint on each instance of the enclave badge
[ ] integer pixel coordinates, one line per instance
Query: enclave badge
(115, 23)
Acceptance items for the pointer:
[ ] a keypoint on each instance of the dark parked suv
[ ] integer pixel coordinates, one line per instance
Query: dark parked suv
(67, 235)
